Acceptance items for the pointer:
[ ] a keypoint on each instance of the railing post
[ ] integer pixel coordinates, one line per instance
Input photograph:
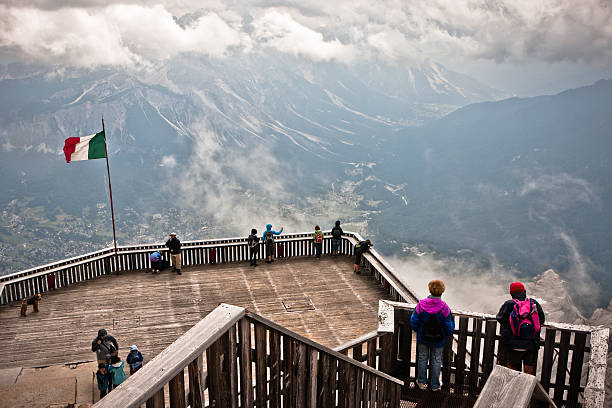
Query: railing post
(275, 370)
(195, 383)
(157, 400)
(246, 380)
(312, 378)
(177, 391)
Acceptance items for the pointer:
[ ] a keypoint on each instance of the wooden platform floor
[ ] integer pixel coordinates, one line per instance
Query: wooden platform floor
(154, 310)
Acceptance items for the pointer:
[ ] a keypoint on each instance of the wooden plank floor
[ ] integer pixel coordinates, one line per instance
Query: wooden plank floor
(154, 310)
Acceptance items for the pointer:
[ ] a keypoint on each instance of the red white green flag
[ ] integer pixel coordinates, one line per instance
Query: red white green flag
(85, 148)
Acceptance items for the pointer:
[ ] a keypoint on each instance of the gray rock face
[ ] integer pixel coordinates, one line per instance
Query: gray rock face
(552, 294)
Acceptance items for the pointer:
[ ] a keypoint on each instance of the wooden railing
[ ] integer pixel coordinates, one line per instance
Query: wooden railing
(252, 362)
(23, 284)
(571, 363)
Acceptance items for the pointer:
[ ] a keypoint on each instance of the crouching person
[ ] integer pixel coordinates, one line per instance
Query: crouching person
(34, 301)
(433, 321)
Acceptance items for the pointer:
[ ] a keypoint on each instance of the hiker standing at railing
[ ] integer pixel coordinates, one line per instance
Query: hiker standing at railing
(317, 238)
(268, 238)
(434, 322)
(174, 245)
(253, 243)
(336, 234)
(521, 319)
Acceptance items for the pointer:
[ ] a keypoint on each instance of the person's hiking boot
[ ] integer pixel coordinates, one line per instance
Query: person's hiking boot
(179, 272)
(422, 386)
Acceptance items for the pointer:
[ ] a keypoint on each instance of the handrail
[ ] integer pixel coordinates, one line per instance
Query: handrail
(20, 285)
(322, 348)
(572, 343)
(359, 340)
(143, 385)
(384, 324)
(402, 290)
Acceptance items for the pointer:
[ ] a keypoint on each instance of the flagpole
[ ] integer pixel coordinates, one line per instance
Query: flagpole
(110, 190)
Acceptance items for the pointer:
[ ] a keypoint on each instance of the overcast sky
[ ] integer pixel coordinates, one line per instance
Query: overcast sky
(523, 46)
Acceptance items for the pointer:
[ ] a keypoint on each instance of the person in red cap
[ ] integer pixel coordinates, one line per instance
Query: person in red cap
(521, 319)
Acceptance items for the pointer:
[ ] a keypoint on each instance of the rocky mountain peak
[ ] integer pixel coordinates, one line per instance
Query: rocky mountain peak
(550, 290)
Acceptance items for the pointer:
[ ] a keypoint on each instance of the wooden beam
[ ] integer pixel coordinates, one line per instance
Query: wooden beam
(506, 388)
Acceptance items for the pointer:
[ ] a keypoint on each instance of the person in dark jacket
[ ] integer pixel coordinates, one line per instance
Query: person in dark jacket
(103, 379)
(360, 248)
(134, 359)
(431, 336)
(336, 234)
(104, 344)
(253, 244)
(174, 245)
(515, 352)
(268, 238)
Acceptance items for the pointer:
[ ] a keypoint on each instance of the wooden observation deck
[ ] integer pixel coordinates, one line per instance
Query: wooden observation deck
(287, 318)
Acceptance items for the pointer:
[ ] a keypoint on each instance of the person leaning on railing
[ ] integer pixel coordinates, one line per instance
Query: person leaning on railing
(520, 319)
(360, 248)
(268, 238)
(433, 321)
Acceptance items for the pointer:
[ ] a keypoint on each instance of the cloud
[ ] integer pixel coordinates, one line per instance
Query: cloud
(238, 190)
(280, 31)
(468, 287)
(560, 191)
(86, 32)
(119, 35)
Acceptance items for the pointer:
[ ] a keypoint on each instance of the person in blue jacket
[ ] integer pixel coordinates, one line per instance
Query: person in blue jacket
(268, 238)
(156, 261)
(104, 381)
(134, 359)
(433, 321)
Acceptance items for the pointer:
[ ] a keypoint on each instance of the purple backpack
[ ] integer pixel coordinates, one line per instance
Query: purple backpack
(524, 319)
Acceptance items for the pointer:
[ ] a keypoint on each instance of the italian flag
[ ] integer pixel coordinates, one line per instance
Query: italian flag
(85, 148)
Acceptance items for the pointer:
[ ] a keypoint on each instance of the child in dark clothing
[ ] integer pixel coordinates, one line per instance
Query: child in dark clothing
(134, 359)
(253, 243)
(103, 378)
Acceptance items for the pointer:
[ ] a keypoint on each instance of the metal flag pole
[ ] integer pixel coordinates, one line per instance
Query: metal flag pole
(110, 190)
